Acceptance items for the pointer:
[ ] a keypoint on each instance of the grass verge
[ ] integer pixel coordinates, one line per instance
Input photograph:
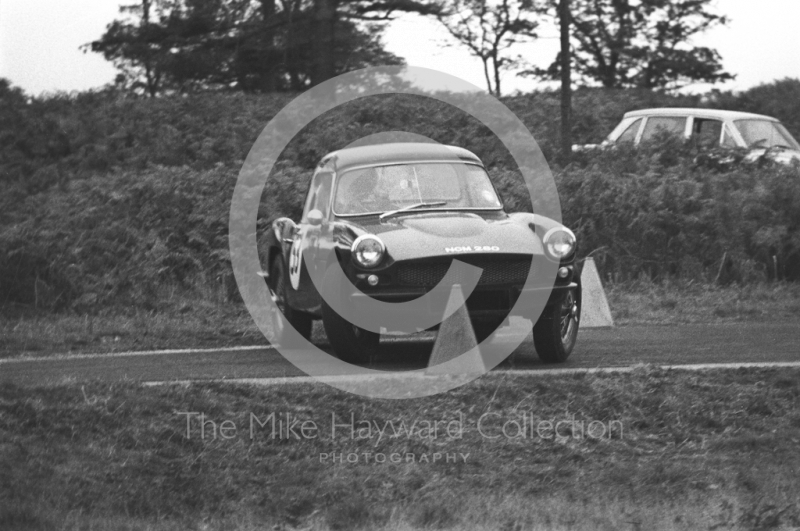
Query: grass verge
(198, 326)
(683, 450)
(645, 302)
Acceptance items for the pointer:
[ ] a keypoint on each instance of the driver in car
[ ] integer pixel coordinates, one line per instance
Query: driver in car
(374, 192)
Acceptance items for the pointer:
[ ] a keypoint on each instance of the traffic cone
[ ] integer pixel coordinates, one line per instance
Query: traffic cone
(595, 312)
(456, 340)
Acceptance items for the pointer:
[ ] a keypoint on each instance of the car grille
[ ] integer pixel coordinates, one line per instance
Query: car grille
(495, 272)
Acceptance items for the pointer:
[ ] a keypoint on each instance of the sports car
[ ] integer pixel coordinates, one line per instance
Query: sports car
(392, 218)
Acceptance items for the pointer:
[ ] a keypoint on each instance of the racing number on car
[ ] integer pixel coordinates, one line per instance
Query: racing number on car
(305, 239)
(294, 262)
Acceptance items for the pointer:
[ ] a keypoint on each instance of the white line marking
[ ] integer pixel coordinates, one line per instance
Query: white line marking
(504, 373)
(26, 358)
(66, 356)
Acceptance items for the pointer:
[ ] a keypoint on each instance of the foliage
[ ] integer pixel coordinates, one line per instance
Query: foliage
(190, 45)
(105, 199)
(641, 43)
(47, 141)
(118, 239)
(658, 212)
(488, 29)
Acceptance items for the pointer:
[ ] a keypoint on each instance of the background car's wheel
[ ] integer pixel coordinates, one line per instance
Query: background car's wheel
(300, 321)
(350, 343)
(556, 331)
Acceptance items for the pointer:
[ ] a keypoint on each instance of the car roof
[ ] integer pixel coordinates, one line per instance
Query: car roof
(394, 153)
(711, 113)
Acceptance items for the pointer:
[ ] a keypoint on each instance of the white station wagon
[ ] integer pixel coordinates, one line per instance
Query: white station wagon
(707, 128)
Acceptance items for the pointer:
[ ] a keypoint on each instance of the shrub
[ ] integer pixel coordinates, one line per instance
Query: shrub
(108, 200)
(118, 239)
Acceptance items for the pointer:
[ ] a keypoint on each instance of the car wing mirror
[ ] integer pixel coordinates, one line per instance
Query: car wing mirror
(314, 218)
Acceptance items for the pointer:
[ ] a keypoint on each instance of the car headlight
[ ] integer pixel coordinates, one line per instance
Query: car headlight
(559, 243)
(368, 250)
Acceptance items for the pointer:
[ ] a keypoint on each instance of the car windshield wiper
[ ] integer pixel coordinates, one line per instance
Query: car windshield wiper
(411, 207)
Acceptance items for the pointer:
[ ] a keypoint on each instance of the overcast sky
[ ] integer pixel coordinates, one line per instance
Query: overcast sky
(39, 42)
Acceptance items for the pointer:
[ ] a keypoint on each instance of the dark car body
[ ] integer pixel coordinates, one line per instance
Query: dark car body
(420, 244)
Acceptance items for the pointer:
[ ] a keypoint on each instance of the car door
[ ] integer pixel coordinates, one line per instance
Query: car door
(318, 231)
(310, 232)
(305, 240)
(299, 240)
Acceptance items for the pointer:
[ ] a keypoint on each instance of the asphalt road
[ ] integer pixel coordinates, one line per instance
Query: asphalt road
(622, 346)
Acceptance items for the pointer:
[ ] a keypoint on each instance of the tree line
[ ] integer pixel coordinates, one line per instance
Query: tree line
(169, 46)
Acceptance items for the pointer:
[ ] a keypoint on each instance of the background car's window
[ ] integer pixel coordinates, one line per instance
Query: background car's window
(629, 135)
(383, 188)
(706, 133)
(663, 124)
(765, 133)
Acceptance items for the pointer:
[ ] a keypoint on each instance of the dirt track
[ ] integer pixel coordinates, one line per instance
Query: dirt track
(685, 344)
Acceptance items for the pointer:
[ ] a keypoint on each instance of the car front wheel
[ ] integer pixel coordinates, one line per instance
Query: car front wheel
(299, 321)
(350, 342)
(556, 331)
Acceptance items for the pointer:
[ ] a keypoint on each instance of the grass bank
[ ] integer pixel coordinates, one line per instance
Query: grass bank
(678, 450)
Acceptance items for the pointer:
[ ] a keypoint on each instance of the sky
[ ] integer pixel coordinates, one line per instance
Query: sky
(40, 40)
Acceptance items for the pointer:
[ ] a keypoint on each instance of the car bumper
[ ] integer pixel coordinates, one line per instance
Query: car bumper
(481, 303)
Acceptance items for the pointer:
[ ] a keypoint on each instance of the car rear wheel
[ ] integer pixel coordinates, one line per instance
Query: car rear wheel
(350, 342)
(299, 321)
(556, 331)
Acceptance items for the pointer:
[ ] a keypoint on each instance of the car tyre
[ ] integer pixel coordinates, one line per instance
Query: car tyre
(351, 343)
(556, 331)
(301, 322)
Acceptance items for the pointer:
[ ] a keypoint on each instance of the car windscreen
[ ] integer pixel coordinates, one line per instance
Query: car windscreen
(765, 134)
(382, 188)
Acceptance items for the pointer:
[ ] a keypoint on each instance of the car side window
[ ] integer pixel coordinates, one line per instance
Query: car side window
(319, 194)
(310, 197)
(322, 200)
(674, 125)
(629, 135)
(706, 133)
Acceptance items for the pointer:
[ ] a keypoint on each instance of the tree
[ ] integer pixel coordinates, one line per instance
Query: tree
(489, 28)
(16, 149)
(250, 45)
(564, 19)
(641, 43)
(330, 14)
